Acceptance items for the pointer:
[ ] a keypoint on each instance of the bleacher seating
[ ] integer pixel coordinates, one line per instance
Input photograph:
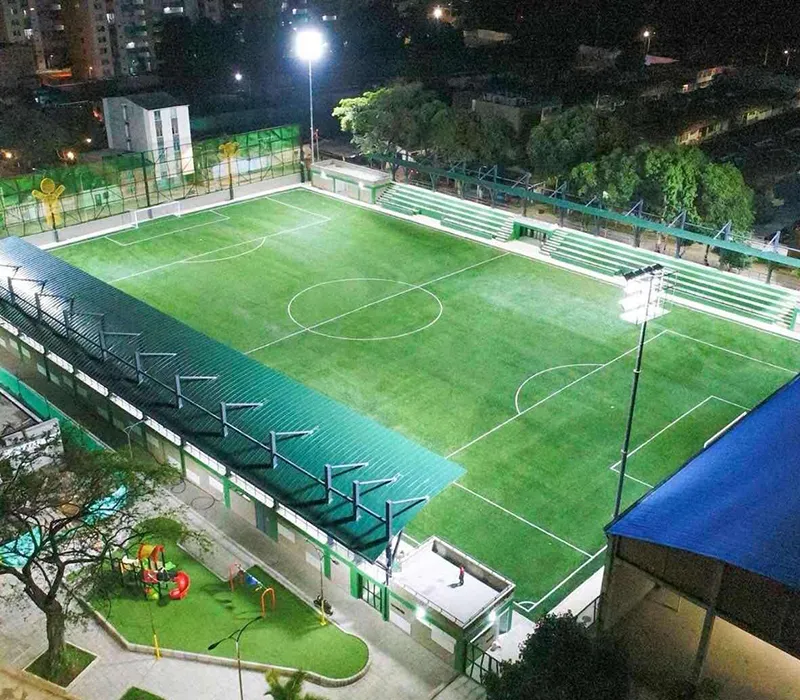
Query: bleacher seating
(462, 215)
(695, 282)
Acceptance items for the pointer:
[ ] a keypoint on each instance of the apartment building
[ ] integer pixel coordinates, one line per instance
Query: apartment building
(39, 23)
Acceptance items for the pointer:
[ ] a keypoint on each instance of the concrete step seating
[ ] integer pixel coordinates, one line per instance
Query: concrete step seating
(706, 285)
(476, 219)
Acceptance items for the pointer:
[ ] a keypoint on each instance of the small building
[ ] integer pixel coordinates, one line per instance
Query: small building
(354, 181)
(155, 123)
(521, 112)
(702, 580)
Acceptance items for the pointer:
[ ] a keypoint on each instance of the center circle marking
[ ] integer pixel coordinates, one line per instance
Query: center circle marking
(408, 289)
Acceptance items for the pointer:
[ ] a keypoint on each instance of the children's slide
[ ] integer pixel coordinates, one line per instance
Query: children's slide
(182, 583)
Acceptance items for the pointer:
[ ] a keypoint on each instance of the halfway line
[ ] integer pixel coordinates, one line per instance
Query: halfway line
(373, 303)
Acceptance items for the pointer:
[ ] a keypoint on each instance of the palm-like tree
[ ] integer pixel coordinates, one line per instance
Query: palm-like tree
(292, 689)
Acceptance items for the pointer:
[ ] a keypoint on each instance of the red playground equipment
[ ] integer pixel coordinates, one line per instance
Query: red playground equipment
(156, 570)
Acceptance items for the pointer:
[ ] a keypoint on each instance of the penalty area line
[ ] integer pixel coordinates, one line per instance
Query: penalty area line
(529, 606)
(523, 520)
(550, 396)
(215, 250)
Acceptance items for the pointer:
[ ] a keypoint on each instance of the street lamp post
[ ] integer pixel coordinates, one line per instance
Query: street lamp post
(788, 55)
(309, 44)
(127, 431)
(236, 636)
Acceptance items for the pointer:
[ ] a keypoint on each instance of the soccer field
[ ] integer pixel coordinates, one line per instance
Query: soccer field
(518, 370)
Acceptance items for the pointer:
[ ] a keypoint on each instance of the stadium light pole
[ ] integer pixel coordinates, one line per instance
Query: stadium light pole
(236, 636)
(309, 44)
(639, 285)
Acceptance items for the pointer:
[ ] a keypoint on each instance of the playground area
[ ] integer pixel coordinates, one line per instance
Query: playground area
(171, 597)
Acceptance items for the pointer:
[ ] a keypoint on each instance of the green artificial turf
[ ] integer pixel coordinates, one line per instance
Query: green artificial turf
(518, 370)
(75, 662)
(139, 694)
(290, 635)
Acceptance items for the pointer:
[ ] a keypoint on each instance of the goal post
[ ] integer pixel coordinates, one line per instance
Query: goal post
(157, 211)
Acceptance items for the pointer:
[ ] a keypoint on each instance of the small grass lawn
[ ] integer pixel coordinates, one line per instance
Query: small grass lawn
(290, 635)
(139, 694)
(75, 661)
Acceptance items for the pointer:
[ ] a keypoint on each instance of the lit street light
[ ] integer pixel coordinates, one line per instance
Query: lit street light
(788, 55)
(438, 12)
(237, 76)
(309, 44)
(648, 35)
(236, 636)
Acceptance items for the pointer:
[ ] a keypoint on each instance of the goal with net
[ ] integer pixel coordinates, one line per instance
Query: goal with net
(157, 211)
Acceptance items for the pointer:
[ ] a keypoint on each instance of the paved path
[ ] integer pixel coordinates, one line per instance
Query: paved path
(400, 668)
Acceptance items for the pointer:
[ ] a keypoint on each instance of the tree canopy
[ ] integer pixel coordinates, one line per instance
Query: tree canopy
(390, 119)
(63, 512)
(562, 661)
(576, 135)
(32, 137)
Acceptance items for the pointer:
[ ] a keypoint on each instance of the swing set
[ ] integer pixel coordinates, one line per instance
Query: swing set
(237, 573)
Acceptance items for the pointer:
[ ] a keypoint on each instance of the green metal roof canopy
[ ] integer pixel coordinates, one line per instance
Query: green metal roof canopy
(349, 476)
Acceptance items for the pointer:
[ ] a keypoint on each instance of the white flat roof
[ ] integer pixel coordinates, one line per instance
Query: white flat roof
(433, 578)
(352, 171)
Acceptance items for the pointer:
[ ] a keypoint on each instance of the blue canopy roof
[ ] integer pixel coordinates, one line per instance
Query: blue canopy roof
(738, 500)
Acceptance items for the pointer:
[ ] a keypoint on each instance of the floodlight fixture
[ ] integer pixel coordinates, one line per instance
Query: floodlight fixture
(309, 45)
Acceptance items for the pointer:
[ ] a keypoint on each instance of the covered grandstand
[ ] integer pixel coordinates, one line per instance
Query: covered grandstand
(703, 577)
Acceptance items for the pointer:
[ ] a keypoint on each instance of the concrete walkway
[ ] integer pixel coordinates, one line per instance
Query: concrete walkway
(400, 669)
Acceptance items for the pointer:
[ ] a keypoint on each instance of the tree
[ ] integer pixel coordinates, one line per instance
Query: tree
(671, 180)
(613, 178)
(576, 135)
(291, 690)
(64, 511)
(463, 135)
(724, 197)
(32, 137)
(390, 119)
(562, 661)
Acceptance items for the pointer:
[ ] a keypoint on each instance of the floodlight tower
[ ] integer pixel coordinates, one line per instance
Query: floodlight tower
(309, 45)
(645, 293)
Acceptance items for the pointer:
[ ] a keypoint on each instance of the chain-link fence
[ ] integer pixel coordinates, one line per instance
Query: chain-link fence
(131, 181)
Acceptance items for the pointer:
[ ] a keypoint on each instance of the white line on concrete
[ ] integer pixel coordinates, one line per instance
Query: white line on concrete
(732, 352)
(410, 288)
(550, 396)
(523, 520)
(528, 606)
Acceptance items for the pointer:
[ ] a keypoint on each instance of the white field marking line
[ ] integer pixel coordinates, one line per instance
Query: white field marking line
(614, 467)
(167, 233)
(529, 606)
(411, 288)
(294, 206)
(732, 403)
(227, 257)
(550, 396)
(215, 250)
(523, 520)
(545, 371)
(365, 279)
(732, 352)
